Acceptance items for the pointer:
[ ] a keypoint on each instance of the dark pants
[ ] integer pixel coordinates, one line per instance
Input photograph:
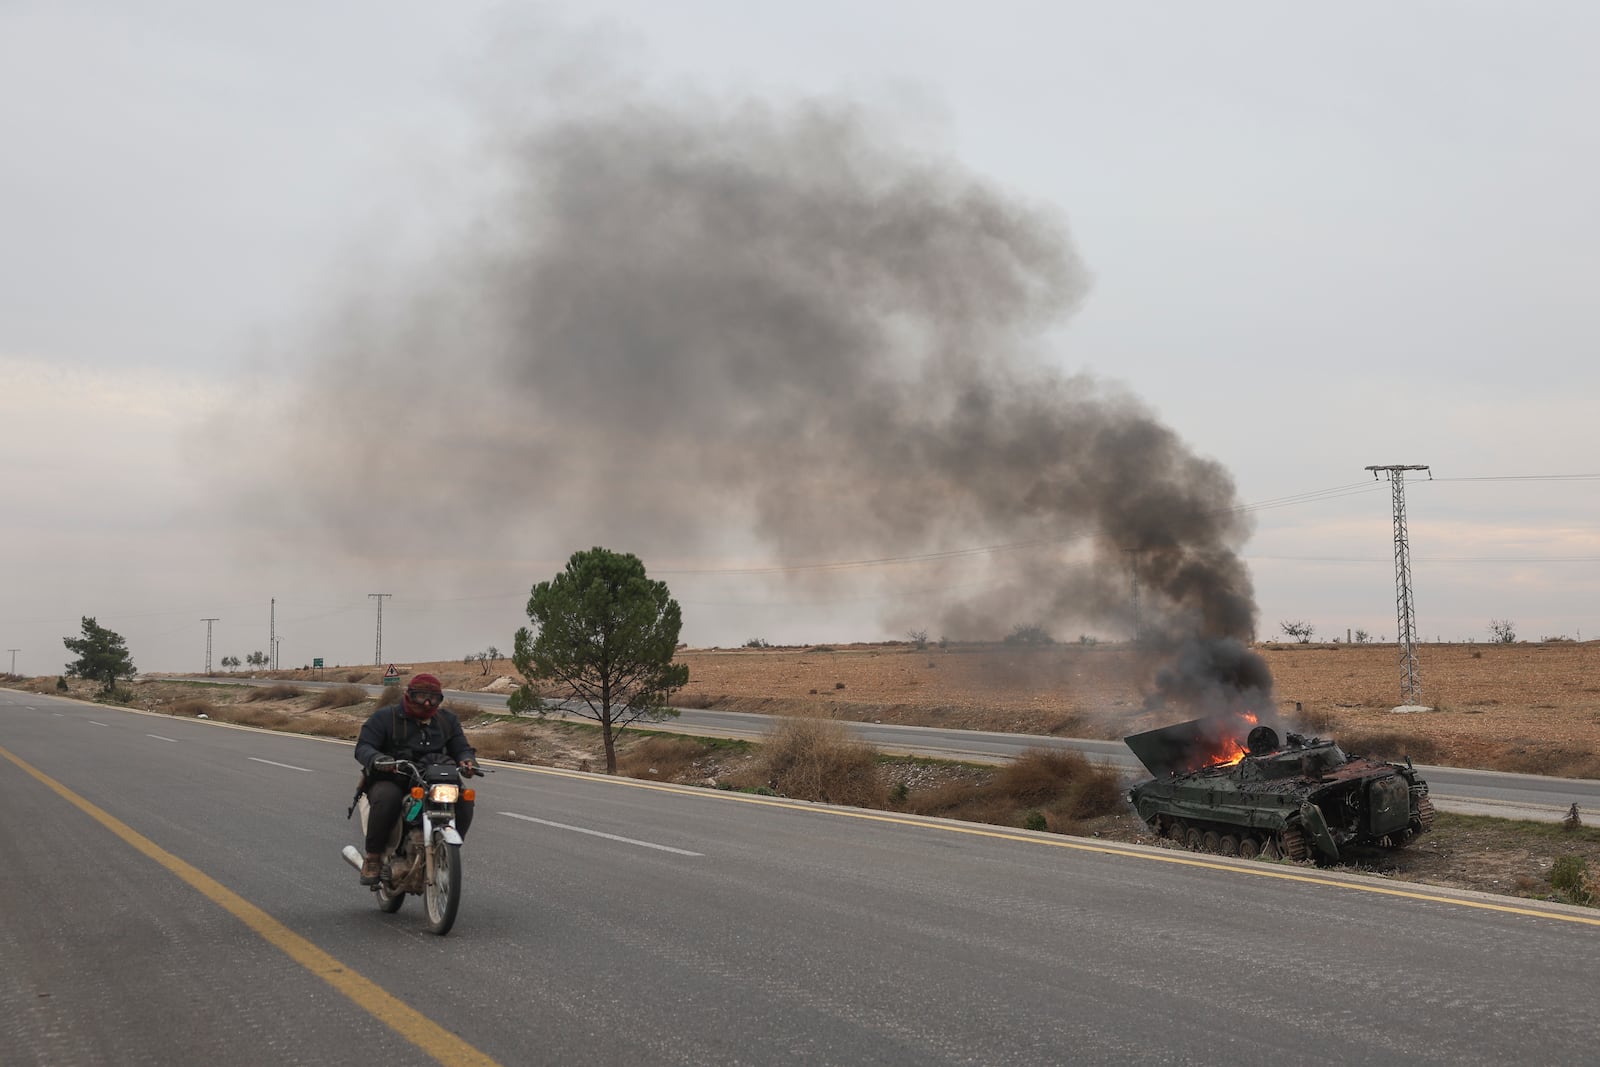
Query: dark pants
(386, 799)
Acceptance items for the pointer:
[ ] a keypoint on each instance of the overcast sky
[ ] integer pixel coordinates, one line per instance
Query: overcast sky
(1305, 239)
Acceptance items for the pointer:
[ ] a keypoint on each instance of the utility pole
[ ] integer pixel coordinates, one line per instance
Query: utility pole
(272, 636)
(14, 652)
(208, 623)
(277, 645)
(377, 655)
(1404, 614)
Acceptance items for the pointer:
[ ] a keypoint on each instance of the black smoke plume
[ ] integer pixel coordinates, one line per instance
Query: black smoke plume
(677, 325)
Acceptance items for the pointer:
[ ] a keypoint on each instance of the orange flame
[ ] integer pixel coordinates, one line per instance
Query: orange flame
(1228, 750)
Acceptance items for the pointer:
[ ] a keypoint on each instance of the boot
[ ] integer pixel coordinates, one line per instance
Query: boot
(371, 869)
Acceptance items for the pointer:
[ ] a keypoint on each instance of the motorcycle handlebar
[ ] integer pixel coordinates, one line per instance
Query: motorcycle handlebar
(386, 764)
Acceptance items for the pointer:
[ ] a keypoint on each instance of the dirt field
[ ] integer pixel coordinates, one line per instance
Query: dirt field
(1522, 707)
(1533, 708)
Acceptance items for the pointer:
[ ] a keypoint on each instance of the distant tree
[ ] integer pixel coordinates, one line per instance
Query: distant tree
(1300, 631)
(231, 663)
(1504, 630)
(469, 659)
(102, 655)
(1362, 637)
(607, 634)
(494, 654)
(758, 642)
(256, 659)
(918, 638)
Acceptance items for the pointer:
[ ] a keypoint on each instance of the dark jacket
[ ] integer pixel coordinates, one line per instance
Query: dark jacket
(389, 732)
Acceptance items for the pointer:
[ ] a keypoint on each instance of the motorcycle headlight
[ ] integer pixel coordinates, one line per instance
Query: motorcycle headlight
(444, 794)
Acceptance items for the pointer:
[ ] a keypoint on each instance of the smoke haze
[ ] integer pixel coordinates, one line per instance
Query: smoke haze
(678, 327)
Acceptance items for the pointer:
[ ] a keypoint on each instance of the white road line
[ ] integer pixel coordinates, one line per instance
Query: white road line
(158, 737)
(597, 833)
(285, 766)
(92, 722)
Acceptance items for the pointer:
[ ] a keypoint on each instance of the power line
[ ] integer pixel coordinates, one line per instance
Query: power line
(1523, 478)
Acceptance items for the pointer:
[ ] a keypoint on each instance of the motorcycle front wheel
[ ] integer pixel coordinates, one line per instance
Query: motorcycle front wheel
(443, 895)
(389, 900)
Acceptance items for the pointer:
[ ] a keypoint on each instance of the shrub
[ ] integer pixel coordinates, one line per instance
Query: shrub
(1044, 789)
(1569, 878)
(193, 708)
(273, 692)
(757, 642)
(1029, 635)
(61, 684)
(818, 759)
(341, 696)
(1061, 780)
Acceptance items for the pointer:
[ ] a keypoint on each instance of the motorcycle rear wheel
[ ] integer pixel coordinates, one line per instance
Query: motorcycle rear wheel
(443, 895)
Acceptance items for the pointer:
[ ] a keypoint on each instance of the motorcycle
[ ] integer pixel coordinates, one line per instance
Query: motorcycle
(423, 856)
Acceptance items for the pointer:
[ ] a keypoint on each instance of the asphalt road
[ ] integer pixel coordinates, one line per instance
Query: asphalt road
(1457, 789)
(172, 894)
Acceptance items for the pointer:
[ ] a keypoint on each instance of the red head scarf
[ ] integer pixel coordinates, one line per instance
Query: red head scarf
(423, 683)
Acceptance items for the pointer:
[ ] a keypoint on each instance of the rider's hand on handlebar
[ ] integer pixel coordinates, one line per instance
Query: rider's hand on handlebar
(469, 767)
(382, 765)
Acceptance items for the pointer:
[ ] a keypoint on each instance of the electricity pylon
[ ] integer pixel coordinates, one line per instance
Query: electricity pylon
(377, 654)
(208, 623)
(1404, 614)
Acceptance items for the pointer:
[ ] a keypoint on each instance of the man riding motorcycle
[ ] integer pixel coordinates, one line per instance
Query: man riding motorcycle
(419, 730)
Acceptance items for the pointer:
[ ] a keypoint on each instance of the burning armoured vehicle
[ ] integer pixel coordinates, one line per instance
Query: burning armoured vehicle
(1304, 799)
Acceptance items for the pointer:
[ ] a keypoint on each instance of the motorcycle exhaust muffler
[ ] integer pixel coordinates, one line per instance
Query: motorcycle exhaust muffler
(352, 856)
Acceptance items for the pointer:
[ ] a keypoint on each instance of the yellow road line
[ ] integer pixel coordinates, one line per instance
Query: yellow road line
(1154, 856)
(427, 1035)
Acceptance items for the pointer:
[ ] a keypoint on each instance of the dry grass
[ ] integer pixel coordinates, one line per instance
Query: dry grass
(665, 758)
(193, 708)
(347, 729)
(1042, 789)
(265, 718)
(272, 694)
(340, 696)
(1389, 745)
